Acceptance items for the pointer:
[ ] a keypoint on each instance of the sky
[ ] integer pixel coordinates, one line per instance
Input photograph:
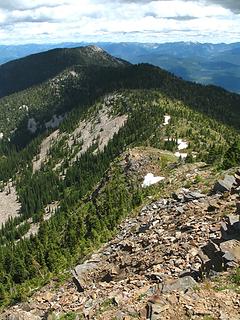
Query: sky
(54, 21)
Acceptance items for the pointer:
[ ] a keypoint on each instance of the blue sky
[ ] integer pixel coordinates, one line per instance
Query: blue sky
(45, 21)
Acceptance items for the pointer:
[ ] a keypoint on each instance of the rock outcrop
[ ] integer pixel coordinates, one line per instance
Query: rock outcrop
(155, 267)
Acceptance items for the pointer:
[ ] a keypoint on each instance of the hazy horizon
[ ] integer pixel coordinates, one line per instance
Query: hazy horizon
(117, 42)
(142, 21)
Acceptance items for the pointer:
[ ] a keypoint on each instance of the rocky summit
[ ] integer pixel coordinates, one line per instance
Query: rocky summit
(173, 259)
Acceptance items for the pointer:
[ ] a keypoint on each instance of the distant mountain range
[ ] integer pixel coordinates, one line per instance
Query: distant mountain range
(217, 64)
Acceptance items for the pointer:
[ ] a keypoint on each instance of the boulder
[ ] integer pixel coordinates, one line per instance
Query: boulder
(231, 228)
(155, 307)
(155, 311)
(233, 220)
(211, 257)
(80, 274)
(189, 196)
(225, 185)
(233, 224)
(231, 250)
(182, 284)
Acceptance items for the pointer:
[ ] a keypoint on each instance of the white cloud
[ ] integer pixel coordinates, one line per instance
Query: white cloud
(98, 20)
(26, 4)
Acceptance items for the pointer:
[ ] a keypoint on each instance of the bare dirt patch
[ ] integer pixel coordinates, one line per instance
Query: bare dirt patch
(99, 130)
(9, 205)
(44, 148)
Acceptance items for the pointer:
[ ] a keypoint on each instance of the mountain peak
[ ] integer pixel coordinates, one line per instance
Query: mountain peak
(37, 68)
(95, 48)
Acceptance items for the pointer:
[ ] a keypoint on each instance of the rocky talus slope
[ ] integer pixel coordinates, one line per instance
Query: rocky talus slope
(173, 259)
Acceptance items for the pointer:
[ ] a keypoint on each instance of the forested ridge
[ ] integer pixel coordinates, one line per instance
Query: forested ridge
(79, 86)
(37, 68)
(208, 118)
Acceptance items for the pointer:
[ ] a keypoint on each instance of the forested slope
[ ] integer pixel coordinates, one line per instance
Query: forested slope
(71, 187)
(26, 72)
(80, 86)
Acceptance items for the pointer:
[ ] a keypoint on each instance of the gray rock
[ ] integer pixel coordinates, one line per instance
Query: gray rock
(231, 250)
(228, 256)
(156, 310)
(232, 219)
(224, 185)
(180, 210)
(193, 196)
(232, 264)
(233, 222)
(224, 226)
(224, 231)
(80, 273)
(182, 284)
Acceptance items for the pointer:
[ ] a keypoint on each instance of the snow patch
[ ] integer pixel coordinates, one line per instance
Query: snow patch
(166, 120)
(182, 144)
(24, 107)
(73, 73)
(149, 180)
(181, 155)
